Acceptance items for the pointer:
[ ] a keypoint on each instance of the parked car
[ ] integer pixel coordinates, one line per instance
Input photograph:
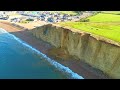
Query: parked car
(4, 17)
(42, 18)
(14, 20)
(50, 19)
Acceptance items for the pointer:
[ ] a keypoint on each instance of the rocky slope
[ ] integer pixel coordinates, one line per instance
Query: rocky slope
(100, 53)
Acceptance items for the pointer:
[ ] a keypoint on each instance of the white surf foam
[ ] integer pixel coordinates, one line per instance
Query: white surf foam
(52, 62)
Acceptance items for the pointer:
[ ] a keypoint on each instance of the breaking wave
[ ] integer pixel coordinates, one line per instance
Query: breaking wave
(51, 61)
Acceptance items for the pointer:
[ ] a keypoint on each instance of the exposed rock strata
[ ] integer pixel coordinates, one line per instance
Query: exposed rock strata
(98, 52)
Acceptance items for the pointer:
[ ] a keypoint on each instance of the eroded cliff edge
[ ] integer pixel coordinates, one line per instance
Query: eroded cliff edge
(98, 52)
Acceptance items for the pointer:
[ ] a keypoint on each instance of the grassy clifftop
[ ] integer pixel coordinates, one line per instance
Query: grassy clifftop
(111, 12)
(104, 17)
(106, 25)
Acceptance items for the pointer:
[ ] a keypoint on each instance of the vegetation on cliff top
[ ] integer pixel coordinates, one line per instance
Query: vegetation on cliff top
(112, 12)
(106, 25)
(102, 17)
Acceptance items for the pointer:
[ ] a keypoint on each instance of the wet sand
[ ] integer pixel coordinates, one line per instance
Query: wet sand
(75, 65)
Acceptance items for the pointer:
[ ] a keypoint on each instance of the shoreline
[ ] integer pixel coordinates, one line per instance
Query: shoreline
(75, 65)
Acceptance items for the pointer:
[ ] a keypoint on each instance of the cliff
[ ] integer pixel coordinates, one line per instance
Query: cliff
(98, 52)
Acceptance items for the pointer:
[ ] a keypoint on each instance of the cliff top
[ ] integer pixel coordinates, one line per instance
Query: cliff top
(98, 37)
(103, 26)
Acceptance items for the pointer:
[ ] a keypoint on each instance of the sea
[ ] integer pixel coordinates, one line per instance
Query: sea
(19, 60)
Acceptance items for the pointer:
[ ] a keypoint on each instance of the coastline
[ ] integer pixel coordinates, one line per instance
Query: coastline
(77, 66)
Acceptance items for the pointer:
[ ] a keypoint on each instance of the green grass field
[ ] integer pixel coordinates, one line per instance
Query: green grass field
(106, 25)
(111, 12)
(102, 17)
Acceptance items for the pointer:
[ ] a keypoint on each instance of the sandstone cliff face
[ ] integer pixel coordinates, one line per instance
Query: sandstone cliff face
(99, 54)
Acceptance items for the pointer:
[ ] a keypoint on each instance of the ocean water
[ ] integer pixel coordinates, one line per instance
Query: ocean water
(18, 60)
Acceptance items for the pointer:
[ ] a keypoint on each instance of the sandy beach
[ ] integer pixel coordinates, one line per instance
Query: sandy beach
(77, 66)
